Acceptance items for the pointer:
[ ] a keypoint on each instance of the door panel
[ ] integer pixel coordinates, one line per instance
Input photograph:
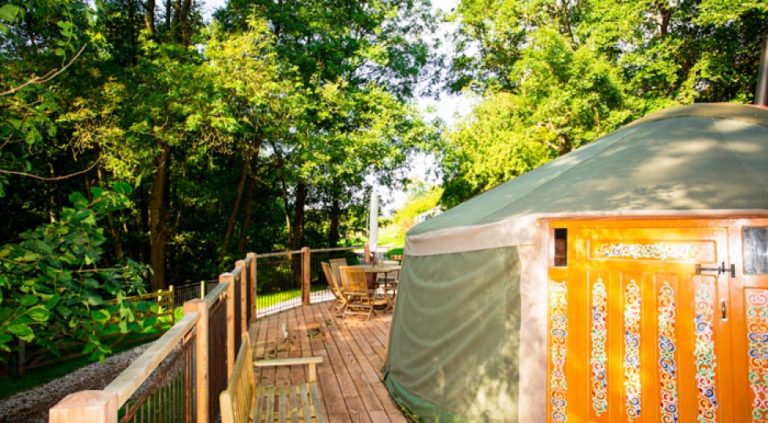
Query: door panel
(748, 309)
(643, 338)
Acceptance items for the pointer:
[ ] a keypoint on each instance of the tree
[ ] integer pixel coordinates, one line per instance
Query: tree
(556, 75)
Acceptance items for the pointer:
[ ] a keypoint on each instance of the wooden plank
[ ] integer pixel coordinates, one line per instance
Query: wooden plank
(281, 406)
(288, 361)
(305, 403)
(353, 361)
(349, 347)
(270, 405)
(295, 404)
(339, 363)
(315, 402)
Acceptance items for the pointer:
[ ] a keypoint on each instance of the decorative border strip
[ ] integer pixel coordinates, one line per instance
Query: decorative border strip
(667, 364)
(632, 385)
(757, 351)
(558, 386)
(704, 354)
(658, 251)
(599, 358)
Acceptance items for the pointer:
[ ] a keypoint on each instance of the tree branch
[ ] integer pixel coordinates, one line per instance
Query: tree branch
(50, 179)
(48, 76)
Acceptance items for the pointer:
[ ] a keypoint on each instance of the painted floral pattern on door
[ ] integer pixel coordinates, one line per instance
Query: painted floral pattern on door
(667, 321)
(632, 350)
(599, 358)
(704, 353)
(757, 350)
(558, 311)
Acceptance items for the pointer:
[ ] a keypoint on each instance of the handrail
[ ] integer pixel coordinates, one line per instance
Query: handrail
(215, 293)
(330, 250)
(132, 377)
(278, 254)
(236, 272)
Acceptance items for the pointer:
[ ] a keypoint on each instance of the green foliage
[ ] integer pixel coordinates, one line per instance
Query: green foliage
(51, 285)
(421, 198)
(556, 75)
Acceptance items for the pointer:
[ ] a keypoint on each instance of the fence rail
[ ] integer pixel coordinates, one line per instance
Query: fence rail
(180, 376)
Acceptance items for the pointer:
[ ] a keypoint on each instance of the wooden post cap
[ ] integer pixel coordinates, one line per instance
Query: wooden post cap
(85, 406)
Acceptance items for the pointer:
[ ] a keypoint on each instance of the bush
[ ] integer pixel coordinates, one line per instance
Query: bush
(51, 285)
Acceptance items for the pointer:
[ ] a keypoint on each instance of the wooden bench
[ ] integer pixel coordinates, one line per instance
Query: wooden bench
(245, 402)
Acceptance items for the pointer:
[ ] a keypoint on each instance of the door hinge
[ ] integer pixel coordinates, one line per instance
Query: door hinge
(719, 270)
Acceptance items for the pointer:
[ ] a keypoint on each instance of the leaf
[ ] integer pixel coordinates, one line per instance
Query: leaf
(122, 188)
(100, 315)
(22, 331)
(51, 303)
(9, 12)
(94, 299)
(39, 313)
(28, 300)
(78, 200)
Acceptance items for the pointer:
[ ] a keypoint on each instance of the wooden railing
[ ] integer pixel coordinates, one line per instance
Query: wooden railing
(179, 377)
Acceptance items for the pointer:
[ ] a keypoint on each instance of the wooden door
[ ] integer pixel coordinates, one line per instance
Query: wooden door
(748, 313)
(636, 332)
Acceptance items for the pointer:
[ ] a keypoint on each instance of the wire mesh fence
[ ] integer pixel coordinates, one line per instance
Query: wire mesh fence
(189, 291)
(166, 395)
(280, 276)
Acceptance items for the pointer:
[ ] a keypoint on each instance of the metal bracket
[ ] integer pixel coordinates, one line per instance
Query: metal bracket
(719, 270)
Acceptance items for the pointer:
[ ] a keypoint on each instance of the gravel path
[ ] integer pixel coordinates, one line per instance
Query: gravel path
(32, 406)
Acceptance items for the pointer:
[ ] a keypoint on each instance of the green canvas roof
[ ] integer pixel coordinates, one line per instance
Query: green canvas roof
(697, 157)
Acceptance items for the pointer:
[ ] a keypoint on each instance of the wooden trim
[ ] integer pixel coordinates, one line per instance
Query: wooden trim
(251, 260)
(288, 361)
(200, 307)
(131, 378)
(243, 287)
(227, 280)
(86, 406)
(305, 277)
(215, 293)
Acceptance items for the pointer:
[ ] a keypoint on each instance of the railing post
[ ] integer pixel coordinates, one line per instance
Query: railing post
(227, 278)
(85, 406)
(243, 295)
(305, 270)
(201, 356)
(252, 287)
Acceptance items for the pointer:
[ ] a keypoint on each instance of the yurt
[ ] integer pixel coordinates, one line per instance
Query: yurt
(624, 281)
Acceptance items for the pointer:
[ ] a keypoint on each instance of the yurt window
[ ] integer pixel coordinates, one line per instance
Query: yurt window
(561, 247)
(755, 250)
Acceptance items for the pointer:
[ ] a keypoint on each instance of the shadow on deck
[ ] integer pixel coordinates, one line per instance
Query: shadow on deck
(353, 350)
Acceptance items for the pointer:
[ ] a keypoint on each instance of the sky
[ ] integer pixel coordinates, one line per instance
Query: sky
(449, 107)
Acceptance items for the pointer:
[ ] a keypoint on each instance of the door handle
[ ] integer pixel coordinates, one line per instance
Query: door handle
(723, 309)
(719, 270)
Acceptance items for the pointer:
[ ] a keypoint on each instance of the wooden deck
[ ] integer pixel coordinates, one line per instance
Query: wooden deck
(353, 350)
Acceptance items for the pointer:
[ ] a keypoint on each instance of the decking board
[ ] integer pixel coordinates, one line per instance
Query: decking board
(354, 350)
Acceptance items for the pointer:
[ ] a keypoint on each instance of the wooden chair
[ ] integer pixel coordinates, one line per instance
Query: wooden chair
(245, 402)
(341, 300)
(335, 265)
(361, 300)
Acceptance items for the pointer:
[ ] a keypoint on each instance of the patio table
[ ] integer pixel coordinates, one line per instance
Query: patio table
(372, 270)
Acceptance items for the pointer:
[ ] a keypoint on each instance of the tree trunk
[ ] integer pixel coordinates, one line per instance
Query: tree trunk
(247, 217)
(235, 208)
(298, 221)
(297, 235)
(333, 233)
(149, 17)
(158, 212)
(168, 15)
(186, 25)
